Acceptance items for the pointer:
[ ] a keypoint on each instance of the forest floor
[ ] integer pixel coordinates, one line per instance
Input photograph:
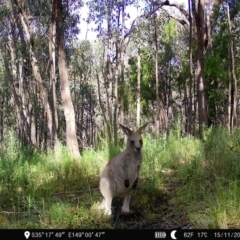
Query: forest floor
(153, 206)
(162, 212)
(162, 215)
(184, 182)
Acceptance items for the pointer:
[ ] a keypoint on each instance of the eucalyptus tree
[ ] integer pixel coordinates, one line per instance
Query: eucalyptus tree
(13, 45)
(5, 97)
(157, 75)
(84, 92)
(233, 86)
(168, 64)
(190, 126)
(22, 11)
(198, 9)
(222, 72)
(23, 46)
(138, 68)
(110, 17)
(71, 137)
(29, 55)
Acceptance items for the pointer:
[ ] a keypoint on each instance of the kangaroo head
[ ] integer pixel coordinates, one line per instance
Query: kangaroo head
(134, 140)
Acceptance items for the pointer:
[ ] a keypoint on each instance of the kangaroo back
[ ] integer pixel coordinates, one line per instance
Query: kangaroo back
(120, 176)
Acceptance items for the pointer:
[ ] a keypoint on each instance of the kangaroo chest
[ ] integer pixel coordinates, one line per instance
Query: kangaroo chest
(131, 166)
(127, 168)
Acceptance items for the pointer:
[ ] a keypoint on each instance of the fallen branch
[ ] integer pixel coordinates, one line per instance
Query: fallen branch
(6, 212)
(75, 192)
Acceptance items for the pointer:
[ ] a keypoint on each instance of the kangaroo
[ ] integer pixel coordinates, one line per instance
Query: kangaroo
(120, 176)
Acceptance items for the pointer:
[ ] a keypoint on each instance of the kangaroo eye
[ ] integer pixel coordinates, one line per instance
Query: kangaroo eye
(132, 142)
(140, 141)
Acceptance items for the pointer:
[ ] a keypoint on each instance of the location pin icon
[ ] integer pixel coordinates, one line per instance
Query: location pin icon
(27, 234)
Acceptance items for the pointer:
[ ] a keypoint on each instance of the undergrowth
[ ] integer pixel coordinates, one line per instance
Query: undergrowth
(183, 180)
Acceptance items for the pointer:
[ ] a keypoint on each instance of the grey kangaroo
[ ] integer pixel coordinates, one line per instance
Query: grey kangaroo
(120, 176)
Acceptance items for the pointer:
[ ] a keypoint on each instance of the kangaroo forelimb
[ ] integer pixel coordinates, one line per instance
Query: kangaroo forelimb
(135, 183)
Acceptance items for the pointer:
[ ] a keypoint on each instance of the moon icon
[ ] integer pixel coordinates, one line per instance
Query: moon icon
(173, 234)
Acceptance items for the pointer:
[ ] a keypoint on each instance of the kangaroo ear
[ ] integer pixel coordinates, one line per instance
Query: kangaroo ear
(126, 130)
(142, 128)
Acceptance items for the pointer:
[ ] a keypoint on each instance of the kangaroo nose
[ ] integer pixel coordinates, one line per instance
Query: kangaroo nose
(138, 148)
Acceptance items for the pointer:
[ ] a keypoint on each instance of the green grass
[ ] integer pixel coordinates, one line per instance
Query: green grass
(184, 182)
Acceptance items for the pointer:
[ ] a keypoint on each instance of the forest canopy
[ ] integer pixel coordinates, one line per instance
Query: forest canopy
(173, 65)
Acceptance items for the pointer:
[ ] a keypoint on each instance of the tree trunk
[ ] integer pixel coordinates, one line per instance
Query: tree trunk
(102, 107)
(52, 58)
(108, 81)
(138, 74)
(139, 87)
(190, 106)
(2, 116)
(108, 75)
(71, 138)
(230, 104)
(115, 113)
(122, 65)
(200, 38)
(233, 72)
(157, 120)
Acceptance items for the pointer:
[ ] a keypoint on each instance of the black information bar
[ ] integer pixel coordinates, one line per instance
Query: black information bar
(119, 234)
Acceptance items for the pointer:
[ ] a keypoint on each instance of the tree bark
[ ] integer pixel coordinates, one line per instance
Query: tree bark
(138, 74)
(115, 112)
(71, 138)
(139, 87)
(230, 98)
(200, 38)
(190, 106)
(157, 120)
(122, 65)
(108, 74)
(102, 107)
(52, 58)
(233, 78)
(108, 80)
(2, 116)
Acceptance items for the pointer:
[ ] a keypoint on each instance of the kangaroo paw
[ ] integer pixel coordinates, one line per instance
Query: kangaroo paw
(126, 182)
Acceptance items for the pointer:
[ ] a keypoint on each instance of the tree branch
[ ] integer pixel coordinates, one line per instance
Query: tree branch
(181, 21)
(160, 5)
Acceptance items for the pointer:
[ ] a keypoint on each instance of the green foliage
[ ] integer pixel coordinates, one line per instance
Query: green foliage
(222, 152)
(216, 68)
(170, 31)
(217, 77)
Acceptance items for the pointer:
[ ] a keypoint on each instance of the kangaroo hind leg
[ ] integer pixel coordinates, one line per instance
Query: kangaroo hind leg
(126, 202)
(105, 189)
